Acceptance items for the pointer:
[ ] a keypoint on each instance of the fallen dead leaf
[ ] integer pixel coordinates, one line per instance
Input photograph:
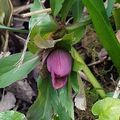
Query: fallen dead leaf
(80, 102)
(22, 90)
(7, 102)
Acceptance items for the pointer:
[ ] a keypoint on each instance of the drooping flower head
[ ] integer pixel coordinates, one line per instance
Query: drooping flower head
(59, 64)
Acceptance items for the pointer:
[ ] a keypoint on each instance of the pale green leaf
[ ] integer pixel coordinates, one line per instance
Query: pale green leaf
(107, 109)
(110, 7)
(6, 10)
(15, 73)
(41, 25)
(8, 63)
(12, 115)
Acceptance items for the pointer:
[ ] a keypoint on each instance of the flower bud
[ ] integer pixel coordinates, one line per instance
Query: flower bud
(59, 64)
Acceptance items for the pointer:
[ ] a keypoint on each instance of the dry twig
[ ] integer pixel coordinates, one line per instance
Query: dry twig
(48, 10)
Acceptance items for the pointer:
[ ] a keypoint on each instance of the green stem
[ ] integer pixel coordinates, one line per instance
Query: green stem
(2, 27)
(94, 81)
(84, 22)
(88, 73)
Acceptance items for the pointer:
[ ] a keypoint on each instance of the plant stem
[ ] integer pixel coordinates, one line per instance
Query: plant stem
(94, 81)
(88, 73)
(2, 27)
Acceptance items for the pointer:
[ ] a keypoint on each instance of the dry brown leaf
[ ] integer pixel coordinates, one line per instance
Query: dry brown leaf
(80, 102)
(80, 99)
(8, 102)
(22, 90)
(118, 35)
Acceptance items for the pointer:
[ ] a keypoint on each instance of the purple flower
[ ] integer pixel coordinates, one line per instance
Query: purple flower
(59, 64)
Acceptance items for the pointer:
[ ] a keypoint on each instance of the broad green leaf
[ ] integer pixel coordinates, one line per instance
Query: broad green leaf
(107, 109)
(66, 41)
(74, 81)
(8, 63)
(77, 10)
(47, 104)
(66, 100)
(56, 6)
(12, 115)
(66, 8)
(17, 73)
(41, 109)
(104, 29)
(58, 108)
(6, 10)
(41, 25)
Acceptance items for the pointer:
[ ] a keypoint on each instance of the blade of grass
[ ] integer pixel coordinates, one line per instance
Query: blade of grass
(104, 29)
(2, 27)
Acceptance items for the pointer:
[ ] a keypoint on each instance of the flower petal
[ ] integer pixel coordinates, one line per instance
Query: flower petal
(58, 82)
(60, 62)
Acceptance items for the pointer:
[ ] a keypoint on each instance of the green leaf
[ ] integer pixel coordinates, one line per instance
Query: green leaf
(2, 27)
(66, 101)
(74, 81)
(41, 25)
(43, 44)
(77, 34)
(104, 29)
(56, 6)
(15, 73)
(107, 109)
(77, 10)
(12, 115)
(6, 10)
(58, 108)
(41, 109)
(66, 41)
(8, 63)
(47, 104)
(66, 8)
(79, 64)
(110, 7)
(116, 15)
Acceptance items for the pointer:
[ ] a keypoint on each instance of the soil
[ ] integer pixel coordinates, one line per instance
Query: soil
(90, 48)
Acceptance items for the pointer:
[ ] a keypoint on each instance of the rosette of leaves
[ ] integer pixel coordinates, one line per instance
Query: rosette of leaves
(50, 33)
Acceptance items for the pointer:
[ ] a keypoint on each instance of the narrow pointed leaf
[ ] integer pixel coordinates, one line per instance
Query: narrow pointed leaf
(104, 29)
(41, 109)
(56, 6)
